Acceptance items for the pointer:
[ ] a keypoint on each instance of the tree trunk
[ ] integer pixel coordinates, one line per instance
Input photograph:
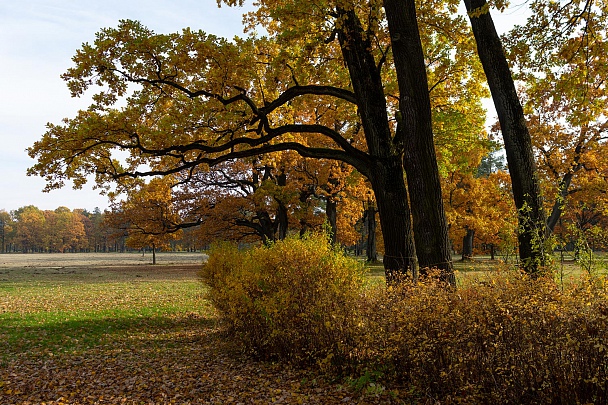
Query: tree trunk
(467, 244)
(415, 132)
(385, 170)
(153, 253)
(370, 216)
(262, 225)
(282, 218)
(560, 202)
(331, 213)
(303, 228)
(394, 212)
(518, 145)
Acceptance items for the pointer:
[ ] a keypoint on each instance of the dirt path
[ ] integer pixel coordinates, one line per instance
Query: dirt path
(12, 260)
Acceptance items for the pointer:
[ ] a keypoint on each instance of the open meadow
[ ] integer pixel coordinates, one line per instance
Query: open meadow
(111, 328)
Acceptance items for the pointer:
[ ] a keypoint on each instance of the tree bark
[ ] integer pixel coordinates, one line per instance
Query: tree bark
(415, 132)
(518, 145)
(385, 170)
(560, 202)
(394, 212)
(331, 212)
(467, 244)
(282, 218)
(370, 216)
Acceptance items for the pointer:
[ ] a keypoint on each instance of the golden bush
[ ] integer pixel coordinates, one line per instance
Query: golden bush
(508, 339)
(296, 299)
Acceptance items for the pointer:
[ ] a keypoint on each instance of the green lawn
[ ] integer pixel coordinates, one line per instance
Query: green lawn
(45, 312)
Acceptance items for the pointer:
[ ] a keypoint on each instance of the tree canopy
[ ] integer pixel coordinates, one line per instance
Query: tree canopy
(391, 90)
(326, 83)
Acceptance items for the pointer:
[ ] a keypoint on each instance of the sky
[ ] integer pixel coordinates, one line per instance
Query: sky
(37, 41)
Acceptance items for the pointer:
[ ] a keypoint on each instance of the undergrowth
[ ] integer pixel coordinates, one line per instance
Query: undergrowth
(507, 339)
(296, 299)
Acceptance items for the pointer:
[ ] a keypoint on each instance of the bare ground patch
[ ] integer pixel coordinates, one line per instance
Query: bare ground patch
(96, 259)
(97, 267)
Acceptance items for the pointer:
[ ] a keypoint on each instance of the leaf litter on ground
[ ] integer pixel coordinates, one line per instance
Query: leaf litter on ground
(171, 356)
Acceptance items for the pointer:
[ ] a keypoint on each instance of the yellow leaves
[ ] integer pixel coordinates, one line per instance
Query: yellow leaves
(479, 11)
(560, 54)
(272, 294)
(13, 392)
(148, 214)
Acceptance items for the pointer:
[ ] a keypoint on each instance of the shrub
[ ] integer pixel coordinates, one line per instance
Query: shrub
(296, 299)
(513, 340)
(509, 339)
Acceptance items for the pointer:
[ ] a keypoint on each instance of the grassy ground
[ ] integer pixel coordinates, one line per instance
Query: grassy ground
(482, 266)
(114, 333)
(87, 329)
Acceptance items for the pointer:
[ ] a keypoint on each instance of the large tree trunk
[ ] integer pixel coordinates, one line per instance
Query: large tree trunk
(385, 170)
(518, 145)
(415, 132)
(394, 212)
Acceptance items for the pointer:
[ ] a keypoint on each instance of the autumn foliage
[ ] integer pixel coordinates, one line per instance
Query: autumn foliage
(288, 300)
(505, 339)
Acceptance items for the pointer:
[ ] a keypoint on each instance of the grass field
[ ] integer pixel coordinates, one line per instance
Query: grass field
(110, 329)
(482, 267)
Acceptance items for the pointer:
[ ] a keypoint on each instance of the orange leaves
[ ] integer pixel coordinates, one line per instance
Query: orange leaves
(481, 204)
(55, 231)
(147, 214)
(560, 55)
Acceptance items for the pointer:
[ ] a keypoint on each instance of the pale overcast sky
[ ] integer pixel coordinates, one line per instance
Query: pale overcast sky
(37, 40)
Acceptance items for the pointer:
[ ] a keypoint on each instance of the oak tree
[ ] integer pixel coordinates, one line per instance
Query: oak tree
(516, 137)
(560, 56)
(147, 215)
(194, 101)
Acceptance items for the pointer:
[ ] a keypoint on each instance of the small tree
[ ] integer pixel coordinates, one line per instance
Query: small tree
(148, 216)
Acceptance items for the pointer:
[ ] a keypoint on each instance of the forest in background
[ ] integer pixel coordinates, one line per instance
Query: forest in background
(255, 204)
(31, 230)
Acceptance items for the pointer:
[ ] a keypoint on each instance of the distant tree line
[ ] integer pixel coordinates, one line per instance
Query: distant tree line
(32, 230)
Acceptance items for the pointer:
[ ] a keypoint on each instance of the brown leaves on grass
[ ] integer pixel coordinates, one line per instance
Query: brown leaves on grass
(174, 354)
(194, 365)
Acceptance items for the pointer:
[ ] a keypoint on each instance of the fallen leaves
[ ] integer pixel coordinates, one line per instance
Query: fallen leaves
(207, 370)
(164, 355)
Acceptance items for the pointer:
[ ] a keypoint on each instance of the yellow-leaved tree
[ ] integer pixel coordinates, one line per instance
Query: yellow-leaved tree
(147, 215)
(560, 56)
(342, 81)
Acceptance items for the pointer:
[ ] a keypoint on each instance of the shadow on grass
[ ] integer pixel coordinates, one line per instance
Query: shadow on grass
(32, 335)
